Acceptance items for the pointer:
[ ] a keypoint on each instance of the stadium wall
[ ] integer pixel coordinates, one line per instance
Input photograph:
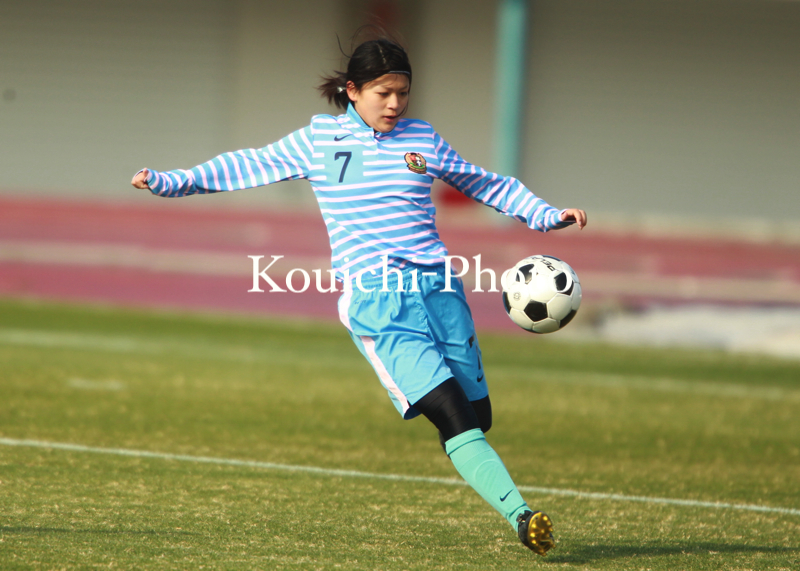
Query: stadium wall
(684, 109)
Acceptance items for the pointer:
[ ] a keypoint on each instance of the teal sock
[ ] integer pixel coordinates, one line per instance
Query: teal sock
(481, 467)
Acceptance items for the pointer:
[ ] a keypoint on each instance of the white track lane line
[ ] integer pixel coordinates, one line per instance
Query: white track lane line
(393, 477)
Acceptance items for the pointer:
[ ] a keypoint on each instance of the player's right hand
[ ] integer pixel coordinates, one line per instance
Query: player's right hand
(140, 179)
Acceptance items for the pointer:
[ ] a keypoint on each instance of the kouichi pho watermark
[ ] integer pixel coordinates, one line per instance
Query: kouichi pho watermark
(383, 279)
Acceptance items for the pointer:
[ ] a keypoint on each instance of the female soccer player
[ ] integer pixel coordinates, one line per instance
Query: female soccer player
(371, 171)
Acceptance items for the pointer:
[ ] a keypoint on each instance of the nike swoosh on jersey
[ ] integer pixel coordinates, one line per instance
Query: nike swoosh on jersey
(340, 138)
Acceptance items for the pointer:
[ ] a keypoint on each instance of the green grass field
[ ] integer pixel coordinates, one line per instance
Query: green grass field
(703, 427)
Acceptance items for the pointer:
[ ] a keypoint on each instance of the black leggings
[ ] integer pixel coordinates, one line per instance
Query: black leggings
(448, 408)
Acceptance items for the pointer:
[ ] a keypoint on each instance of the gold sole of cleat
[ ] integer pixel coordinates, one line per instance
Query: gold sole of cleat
(540, 533)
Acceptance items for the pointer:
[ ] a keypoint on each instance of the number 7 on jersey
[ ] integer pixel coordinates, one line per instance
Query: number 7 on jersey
(346, 155)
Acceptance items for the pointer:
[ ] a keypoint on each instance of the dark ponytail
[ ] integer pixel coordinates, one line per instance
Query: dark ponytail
(369, 61)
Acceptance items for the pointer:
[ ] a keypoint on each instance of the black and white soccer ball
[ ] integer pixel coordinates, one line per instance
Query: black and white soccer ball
(541, 294)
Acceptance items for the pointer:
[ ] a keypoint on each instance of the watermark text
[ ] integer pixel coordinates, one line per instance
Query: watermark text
(299, 280)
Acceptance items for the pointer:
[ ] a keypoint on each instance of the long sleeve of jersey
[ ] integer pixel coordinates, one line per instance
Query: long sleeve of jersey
(287, 159)
(503, 193)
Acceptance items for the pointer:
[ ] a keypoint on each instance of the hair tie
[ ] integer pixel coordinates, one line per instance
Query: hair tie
(340, 89)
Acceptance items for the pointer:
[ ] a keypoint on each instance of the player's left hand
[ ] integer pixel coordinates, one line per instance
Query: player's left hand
(576, 215)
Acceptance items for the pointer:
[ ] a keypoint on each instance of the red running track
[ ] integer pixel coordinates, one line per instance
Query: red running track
(182, 254)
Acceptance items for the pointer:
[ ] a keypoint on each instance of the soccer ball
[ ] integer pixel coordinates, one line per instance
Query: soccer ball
(541, 293)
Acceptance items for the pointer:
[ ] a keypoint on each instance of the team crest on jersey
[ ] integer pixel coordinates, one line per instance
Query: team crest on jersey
(416, 163)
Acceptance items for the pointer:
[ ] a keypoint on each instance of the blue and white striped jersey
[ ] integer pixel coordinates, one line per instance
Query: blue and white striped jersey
(373, 189)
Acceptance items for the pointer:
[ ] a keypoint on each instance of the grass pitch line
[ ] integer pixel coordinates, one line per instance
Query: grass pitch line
(90, 385)
(393, 477)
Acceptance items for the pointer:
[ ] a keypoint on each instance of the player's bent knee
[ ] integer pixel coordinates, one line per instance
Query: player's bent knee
(483, 409)
(448, 408)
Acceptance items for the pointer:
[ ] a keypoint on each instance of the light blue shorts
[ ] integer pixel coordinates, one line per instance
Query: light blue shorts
(415, 340)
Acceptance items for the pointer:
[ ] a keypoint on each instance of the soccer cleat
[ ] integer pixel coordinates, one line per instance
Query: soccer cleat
(536, 531)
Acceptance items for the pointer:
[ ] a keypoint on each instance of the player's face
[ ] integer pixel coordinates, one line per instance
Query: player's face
(381, 102)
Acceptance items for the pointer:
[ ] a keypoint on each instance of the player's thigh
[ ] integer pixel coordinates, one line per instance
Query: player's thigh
(453, 330)
(391, 331)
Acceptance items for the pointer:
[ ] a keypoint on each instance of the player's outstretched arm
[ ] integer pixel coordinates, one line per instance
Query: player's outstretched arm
(574, 215)
(140, 179)
(287, 159)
